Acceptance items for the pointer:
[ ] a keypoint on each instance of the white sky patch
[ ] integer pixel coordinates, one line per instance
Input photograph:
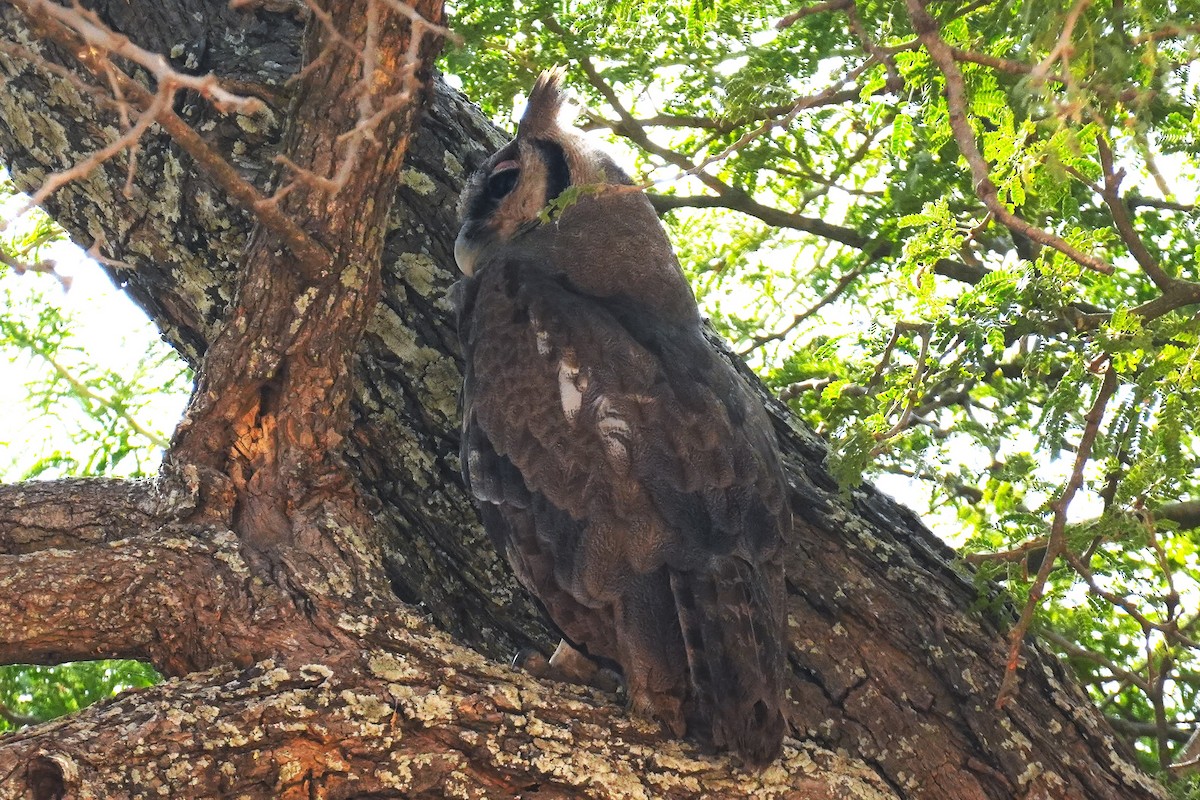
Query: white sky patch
(108, 331)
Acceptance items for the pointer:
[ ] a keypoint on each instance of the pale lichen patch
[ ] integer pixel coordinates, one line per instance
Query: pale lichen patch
(425, 708)
(316, 671)
(452, 165)
(272, 678)
(392, 668)
(366, 706)
(419, 182)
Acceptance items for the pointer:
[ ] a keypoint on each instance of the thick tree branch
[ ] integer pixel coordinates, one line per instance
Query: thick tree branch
(293, 331)
(423, 718)
(180, 603)
(79, 512)
(1185, 513)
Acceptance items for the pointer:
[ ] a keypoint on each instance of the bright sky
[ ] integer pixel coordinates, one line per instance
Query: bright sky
(109, 332)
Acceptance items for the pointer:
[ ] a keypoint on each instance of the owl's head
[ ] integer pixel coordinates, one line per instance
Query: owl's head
(507, 196)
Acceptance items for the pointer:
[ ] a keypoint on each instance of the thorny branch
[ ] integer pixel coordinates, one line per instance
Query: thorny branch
(68, 28)
(83, 33)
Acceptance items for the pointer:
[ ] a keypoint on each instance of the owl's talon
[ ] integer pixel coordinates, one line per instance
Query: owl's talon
(606, 680)
(531, 660)
(567, 665)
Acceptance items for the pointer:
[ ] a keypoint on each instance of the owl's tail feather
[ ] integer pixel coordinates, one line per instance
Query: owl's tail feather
(732, 619)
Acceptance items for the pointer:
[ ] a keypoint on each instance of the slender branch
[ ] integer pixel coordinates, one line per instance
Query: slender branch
(1073, 648)
(46, 266)
(956, 101)
(1173, 632)
(734, 200)
(1056, 544)
(816, 8)
(842, 284)
(1005, 65)
(16, 718)
(85, 392)
(1018, 553)
(1139, 729)
(1120, 214)
(910, 403)
(820, 98)
(1137, 201)
(1171, 30)
(126, 141)
(181, 603)
(1063, 48)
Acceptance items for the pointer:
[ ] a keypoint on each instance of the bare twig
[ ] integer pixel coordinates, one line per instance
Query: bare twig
(421, 23)
(808, 101)
(372, 111)
(842, 284)
(46, 266)
(158, 103)
(895, 80)
(1063, 48)
(94, 253)
(155, 107)
(87, 25)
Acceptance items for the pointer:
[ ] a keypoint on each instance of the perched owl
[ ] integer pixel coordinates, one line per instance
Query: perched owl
(628, 474)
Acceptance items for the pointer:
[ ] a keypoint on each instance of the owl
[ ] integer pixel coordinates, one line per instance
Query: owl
(627, 473)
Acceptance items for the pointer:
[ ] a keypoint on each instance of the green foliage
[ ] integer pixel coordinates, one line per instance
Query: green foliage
(841, 243)
(43, 693)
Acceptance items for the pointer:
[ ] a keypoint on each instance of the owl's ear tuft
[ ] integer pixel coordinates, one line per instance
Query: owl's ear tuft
(546, 100)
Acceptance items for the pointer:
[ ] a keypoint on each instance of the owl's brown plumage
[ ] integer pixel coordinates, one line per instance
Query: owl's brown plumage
(623, 467)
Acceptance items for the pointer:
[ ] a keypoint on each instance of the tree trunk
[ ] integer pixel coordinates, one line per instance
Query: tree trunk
(262, 571)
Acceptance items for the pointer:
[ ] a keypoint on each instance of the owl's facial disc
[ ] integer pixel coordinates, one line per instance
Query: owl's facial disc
(495, 206)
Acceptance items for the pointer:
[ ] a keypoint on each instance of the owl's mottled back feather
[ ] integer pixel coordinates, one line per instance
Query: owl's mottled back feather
(629, 475)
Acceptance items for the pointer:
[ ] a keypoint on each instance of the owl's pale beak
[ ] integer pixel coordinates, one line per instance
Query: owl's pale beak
(466, 253)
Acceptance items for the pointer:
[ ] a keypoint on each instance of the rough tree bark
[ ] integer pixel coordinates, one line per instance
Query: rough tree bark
(308, 570)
